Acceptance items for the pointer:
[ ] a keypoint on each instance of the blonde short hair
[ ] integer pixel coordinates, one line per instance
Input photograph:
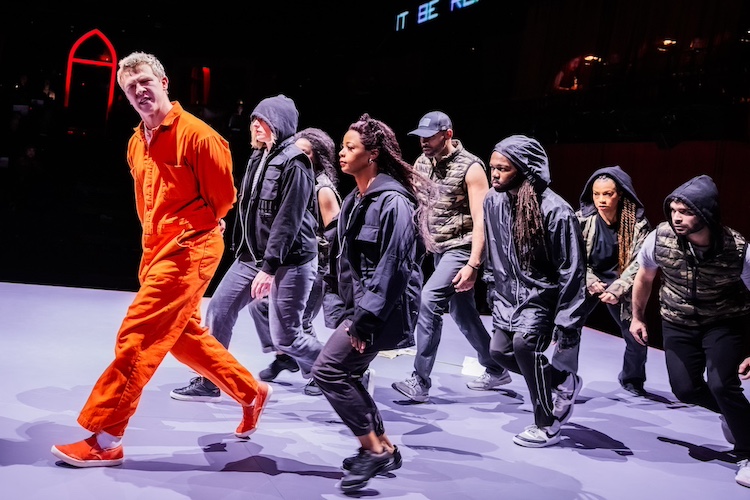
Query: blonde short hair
(131, 63)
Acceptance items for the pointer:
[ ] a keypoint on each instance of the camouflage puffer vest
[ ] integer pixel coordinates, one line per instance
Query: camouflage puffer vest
(699, 293)
(450, 221)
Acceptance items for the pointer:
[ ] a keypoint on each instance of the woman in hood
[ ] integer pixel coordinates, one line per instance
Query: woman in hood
(320, 149)
(614, 227)
(276, 252)
(379, 277)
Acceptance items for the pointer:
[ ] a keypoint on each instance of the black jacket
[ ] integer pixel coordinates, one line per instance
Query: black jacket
(376, 263)
(277, 223)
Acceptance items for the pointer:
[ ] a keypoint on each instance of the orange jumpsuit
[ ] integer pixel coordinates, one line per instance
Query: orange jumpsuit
(183, 186)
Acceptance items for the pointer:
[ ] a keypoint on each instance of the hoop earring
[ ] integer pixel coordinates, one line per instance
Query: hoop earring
(369, 160)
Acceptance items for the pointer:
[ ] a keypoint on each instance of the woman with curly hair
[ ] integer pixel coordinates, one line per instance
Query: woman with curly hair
(380, 246)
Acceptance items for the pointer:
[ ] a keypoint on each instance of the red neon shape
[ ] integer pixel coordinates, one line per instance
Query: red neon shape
(112, 63)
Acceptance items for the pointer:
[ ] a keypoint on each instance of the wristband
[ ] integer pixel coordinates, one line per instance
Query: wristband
(473, 267)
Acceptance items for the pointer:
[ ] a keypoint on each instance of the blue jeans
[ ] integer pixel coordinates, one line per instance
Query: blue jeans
(288, 299)
(258, 310)
(437, 295)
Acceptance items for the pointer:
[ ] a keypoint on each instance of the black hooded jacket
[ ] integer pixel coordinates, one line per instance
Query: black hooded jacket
(376, 271)
(551, 294)
(277, 222)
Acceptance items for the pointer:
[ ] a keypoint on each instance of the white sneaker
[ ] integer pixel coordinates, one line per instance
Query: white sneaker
(539, 437)
(487, 381)
(743, 475)
(565, 397)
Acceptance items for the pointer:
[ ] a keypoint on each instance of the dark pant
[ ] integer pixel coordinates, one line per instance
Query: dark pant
(524, 354)
(338, 372)
(633, 360)
(717, 349)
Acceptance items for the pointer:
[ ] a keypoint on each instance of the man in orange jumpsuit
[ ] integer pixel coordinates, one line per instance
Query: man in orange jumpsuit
(183, 185)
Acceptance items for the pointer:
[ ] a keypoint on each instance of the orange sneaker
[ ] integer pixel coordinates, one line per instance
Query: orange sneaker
(251, 414)
(88, 453)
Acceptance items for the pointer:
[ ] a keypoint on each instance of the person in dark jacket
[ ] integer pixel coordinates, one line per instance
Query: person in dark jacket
(379, 276)
(276, 251)
(535, 250)
(705, 307)
(321, 150)
(614, 226)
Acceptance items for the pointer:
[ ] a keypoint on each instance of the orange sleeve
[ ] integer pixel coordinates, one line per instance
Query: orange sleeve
(214, 171)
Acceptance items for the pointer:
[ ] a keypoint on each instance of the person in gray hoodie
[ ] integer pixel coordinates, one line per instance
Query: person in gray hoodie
(705, 307)
(535, 250)
(275, 245)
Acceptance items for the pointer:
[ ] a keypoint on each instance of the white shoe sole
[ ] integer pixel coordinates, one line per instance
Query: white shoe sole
(536, 444)
(199, 399)
(80, 463)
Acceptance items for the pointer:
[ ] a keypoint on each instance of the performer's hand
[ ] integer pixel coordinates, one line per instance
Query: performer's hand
(608, 298)
(261, 286)
(465, 278)
(639, 331)
(744, 370)
(597, 288)
(357, 344)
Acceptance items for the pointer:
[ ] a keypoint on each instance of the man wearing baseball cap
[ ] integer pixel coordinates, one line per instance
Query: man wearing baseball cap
(457, 229)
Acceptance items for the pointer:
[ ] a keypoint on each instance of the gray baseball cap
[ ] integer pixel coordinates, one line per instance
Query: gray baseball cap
(432, 123)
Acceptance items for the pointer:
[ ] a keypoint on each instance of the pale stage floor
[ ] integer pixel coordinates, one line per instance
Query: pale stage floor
(56, 341)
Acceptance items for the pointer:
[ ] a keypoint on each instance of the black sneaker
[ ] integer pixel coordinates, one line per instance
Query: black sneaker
(200, 389)
(393, 465)
(312, 388)
(363, 467)
(635, 388)
(281, 363)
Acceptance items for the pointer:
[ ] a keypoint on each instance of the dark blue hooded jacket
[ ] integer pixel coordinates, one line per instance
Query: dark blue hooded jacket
(377, 267)
(551, 294)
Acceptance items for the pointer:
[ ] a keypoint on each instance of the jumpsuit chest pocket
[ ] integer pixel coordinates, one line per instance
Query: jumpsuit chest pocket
(176, 181)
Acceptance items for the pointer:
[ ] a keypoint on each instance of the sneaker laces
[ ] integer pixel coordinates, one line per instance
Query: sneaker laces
(359, 464)
(413, 382)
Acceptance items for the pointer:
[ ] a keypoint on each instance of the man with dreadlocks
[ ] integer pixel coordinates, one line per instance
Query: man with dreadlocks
(536, 253)
(614, 226)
